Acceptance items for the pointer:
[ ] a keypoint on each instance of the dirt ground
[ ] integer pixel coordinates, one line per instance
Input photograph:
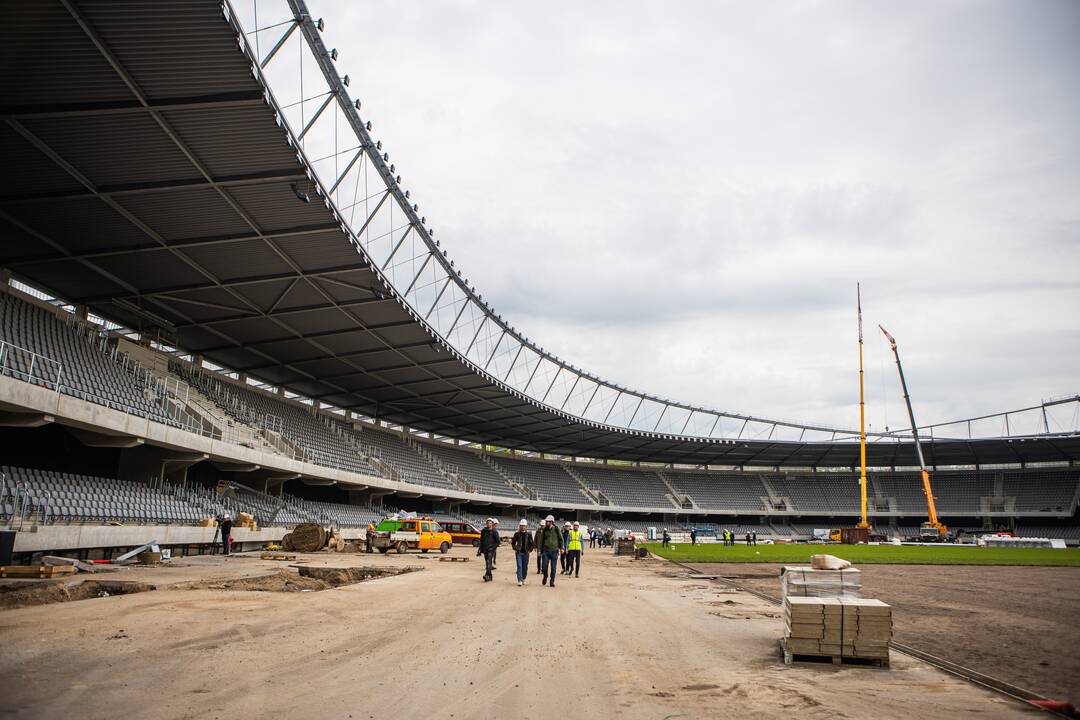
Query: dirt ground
(1018, 624)
(629, 639)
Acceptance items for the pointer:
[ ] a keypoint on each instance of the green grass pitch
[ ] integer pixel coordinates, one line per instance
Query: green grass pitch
(868, 554)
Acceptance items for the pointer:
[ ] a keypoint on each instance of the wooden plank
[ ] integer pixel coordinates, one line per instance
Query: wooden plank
(35, 571)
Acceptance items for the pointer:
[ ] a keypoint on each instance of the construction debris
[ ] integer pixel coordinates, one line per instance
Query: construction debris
(837, 628)
(801, 581)
(276, 556)
(57, 561)
(35, 571)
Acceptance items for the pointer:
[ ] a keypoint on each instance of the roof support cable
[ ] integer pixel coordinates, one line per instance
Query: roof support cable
(277, 46)
(318, 113)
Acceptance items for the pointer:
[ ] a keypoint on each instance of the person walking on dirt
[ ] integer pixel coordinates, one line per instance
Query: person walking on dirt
(226, 533)
(563, 560)
(551, 541)
(592, 538)
(536, 543)
(495, 552)
(489, 540)
(574, 548)
(523, 544)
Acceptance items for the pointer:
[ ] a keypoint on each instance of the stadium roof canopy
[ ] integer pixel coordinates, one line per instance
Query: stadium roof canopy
(159, 174)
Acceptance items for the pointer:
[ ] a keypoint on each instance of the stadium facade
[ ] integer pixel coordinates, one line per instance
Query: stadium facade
(214, 270)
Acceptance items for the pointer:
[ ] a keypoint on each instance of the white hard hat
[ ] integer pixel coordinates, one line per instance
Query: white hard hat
(523, 522)
(577, 524)
(490, 520)
(495, 520)
(566, 523)
(549, 518)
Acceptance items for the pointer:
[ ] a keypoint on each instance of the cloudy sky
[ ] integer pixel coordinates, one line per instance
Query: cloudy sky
(681, 198)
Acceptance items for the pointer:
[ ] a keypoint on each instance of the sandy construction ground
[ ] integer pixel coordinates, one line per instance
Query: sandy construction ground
(629, 639)
(1018, 624)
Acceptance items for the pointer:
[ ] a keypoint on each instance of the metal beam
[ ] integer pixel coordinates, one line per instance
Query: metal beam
(250, 98)
(263, 178)
(315, 335)
(272, 312)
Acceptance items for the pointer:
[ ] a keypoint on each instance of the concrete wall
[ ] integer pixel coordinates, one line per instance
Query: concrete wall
(49, 538)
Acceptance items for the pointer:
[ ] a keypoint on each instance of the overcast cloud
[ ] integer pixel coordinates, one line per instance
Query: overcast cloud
(681, 197)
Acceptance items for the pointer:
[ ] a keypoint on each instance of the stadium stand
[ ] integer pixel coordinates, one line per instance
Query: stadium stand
(548, 480)
(1042, 491)
(723, 491)
(65, 355)
(470, 467)
(631, 488)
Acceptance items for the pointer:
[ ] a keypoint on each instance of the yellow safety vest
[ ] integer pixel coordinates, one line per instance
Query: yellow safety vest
(575, 540)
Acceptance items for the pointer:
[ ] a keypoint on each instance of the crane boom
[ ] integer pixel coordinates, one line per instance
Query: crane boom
(934, 523)
(863, 522)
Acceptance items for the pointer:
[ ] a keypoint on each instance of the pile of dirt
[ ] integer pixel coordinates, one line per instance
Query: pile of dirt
(17, 596)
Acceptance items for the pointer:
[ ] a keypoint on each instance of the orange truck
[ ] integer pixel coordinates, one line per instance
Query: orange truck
(404, 534)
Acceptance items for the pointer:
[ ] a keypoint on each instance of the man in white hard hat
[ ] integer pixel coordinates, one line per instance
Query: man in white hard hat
(225, 524)
(562, 550)
(550, 544)
(495, 552)
(523, 544)
(575, 546)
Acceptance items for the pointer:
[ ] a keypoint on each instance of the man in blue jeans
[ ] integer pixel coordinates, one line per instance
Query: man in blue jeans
(523, 544)
(551, 542)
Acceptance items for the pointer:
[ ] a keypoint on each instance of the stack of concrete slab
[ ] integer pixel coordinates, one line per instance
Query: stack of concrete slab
(798, 581)
(838, 627)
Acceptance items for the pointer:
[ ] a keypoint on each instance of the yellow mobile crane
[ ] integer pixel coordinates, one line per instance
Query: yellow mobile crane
(863, 522)
(933, 529)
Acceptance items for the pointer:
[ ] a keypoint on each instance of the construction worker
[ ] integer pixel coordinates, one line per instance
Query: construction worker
(551, 542)
(748, 539)
(226, 533)
(536, 543)
(753, 537)
(574, 548)
(369, 537)
(495, 552)
(489, 540)
(665, 539)
(563, 560)
(693, 536)
(523, 544)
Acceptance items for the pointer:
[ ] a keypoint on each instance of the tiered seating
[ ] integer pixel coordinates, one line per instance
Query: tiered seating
(961, 491)
(905, 488)
(726, 491)
(1042, 491)
(805, 493)
(319, 444)
(74, 364)
(634, 488)
(411, 465)
(472, 469)
(548, 480)
(57, 496)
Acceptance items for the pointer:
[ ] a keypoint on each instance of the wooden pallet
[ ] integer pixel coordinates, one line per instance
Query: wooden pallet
(453, 559)
(276, 556)
(35, 571)
(790, 657)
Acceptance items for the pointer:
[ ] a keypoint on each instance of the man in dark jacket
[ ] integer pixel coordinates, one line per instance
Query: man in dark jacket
(665, 539)
(536, 544)
(489, 540)
(551, 542)
(523, 544)
(226, 533)
(693, 536)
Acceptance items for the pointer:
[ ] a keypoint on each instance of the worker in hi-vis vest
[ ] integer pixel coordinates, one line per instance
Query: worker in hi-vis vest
(574, 547)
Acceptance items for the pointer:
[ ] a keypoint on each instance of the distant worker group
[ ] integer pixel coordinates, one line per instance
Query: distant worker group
(552, 546)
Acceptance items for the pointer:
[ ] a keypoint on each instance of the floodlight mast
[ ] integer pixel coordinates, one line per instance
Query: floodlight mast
(934, 525)
(863, 522)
